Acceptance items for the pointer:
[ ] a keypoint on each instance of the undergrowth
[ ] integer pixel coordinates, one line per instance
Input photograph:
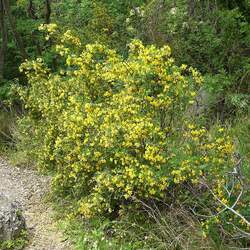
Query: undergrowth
(118, 129)
(153, 226)
(16, 244)
(147, 150)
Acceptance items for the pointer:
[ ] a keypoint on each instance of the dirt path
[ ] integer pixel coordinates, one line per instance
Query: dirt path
(28, 187)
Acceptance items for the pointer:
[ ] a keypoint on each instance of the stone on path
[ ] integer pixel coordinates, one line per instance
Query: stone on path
(12, 221)
(29, 188)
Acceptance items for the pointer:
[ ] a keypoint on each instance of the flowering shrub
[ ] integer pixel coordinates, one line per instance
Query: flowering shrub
(115, 128)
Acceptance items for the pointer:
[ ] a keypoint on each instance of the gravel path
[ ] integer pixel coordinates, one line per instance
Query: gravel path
(28, 188)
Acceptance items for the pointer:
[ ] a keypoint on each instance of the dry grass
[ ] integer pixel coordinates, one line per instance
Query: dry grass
(6, 125)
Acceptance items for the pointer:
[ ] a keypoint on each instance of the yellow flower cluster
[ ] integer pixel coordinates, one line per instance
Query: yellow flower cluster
(110, 126)
(69, 37)
(50, 29)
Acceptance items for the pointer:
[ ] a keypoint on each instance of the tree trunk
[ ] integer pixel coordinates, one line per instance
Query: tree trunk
(31, 10)
(191, 7)
(3, 47)
(47, 11)
(12, 22)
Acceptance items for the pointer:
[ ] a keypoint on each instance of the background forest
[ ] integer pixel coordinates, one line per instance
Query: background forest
(140, 112)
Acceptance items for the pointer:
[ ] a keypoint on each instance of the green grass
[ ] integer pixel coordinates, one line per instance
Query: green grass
(6, 121)
(16, 244)
(14, 145)
(241, 131)
(6, 125)
(136, 229)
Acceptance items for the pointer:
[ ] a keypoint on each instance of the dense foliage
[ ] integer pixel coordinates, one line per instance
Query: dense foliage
(116, 129)
(212, 36)
(134, 104)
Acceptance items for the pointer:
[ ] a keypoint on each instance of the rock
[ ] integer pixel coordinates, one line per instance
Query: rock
(12, 221)
(201, 103)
